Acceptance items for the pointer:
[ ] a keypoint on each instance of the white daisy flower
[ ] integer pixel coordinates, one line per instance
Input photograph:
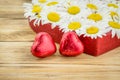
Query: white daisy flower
(75, 24)
(51, 15)
(33, 12)
(73, 8)
(94, 30)
(28, 10)
(100, 16)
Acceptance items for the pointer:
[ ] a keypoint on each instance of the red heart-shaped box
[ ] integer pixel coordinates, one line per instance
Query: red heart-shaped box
(93, 47)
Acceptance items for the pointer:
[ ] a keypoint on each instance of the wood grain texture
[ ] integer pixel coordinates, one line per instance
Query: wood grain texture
(15, 30)
(17, 62)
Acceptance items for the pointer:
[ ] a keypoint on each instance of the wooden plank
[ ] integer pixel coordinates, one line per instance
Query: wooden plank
(16, 62)
(59, 73)
(12, 8)
(11, 11)
(15, 30)
(19, 52)
(63, 75)
(13, 25)
(13, 2)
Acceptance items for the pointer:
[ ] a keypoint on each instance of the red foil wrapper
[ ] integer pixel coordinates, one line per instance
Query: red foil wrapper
(93, 47)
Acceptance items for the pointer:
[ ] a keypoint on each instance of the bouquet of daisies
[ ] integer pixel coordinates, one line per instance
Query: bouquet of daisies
(91, 18)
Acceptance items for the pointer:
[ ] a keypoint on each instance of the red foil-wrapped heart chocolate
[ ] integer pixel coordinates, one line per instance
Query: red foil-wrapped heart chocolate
(43, 45)
(71, 45)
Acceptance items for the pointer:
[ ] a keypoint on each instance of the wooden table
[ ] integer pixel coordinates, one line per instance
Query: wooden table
(17, 63)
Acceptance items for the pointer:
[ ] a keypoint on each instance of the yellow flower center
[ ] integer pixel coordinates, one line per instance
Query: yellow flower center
(52, 3)
(92, 30)
(112, 13)
(36, 9)
(74, 25)
(73, 10)
(42, 1)
(53, 16)
(113, 5)
(92, 6)
(95, 17)
(114, 24)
